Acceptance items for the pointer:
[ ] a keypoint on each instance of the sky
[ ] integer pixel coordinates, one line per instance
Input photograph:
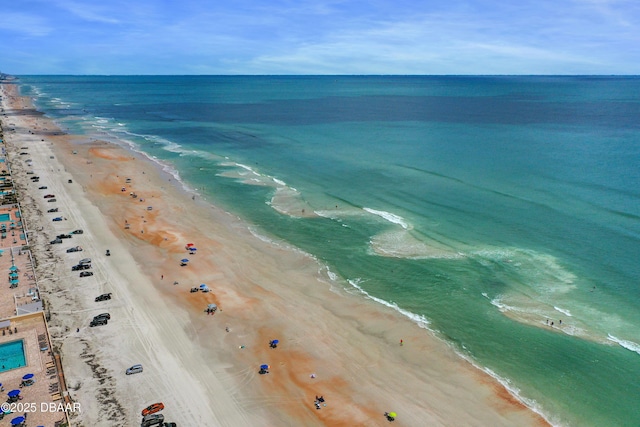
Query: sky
(431, 37)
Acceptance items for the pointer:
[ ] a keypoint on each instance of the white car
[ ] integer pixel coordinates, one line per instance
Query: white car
(134, 369)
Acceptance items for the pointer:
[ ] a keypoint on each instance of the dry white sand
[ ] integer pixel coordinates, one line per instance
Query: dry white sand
(203, 374)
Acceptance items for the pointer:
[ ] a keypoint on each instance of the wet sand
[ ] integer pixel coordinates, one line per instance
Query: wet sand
(203, 374)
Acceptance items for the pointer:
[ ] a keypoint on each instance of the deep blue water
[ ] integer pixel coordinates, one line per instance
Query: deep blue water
(486, 206)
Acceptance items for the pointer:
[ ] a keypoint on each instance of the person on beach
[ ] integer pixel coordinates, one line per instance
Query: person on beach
(401, 343)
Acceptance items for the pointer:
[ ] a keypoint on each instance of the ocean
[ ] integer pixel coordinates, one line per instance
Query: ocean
(501, 213)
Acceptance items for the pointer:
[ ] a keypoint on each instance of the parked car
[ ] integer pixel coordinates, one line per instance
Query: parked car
(86, 273)
(152, 420)
(169, 425)
(135, 369)
(56, 240)
(81, 267)
(103, 297)
(74, 249)
(98, 322)
(102, 316)
(44, 187)
(58, 218)
(64, 236)
(84, 261)
(77, 232)
(49, 196)
(53, 210)
(52, 200)
(152, 409)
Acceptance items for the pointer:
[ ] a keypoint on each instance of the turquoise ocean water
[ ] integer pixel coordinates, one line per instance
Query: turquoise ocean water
(484, 208)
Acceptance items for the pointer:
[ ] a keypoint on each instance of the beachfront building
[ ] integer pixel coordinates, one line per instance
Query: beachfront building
(29, 368)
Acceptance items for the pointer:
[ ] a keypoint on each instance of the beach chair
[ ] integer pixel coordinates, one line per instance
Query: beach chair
(56, 396)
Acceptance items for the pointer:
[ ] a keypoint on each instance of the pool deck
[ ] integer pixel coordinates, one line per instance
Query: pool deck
(22, 317)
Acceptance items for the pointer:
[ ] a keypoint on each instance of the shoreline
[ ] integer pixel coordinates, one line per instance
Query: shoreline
(353, 350)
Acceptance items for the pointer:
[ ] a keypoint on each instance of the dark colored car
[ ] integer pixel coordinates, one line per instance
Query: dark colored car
(81, 267)
(58, 218)
(44, 187)
(103, 297)
(75, 249)
(86, 273)
(169, 425)
(152, 420)
(49, 196)
(64, 236)
(53, 210)
(77, 232)
(102, 316)
(98, 322)
(56, 240)
(52, 200)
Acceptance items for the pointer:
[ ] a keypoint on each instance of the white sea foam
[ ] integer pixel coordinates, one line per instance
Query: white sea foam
(393, 218)
(420, 320)
(403, 244)
(289, 201)
(629, 345)
(563, 311)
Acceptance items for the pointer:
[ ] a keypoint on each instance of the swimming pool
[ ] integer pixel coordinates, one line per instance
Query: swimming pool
(12, 355)
(5, 217)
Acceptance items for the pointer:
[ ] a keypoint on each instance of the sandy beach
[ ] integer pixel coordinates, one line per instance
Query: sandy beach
(204, 368)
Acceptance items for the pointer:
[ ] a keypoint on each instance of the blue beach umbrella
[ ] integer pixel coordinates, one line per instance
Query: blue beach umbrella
(13, 268)
(192, 249)
(264, 367)
(17, 421)
(27, 377)
(13, 393)
(13, 275)
(15, 281)
(184, 260)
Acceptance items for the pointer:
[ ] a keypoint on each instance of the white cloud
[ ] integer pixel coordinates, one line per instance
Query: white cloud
(90, 12)
(23, 23)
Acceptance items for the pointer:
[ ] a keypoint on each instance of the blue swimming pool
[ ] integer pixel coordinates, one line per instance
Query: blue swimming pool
(12, 355)
(5, 217)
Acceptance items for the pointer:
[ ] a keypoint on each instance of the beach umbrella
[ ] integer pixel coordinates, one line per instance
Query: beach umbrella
(13, 275)
(184, 260)
(27, 377)
(275, 341)
(264, 367)
(393, 414)
(17, 421)
(15, 281)
(13, 393)
(13, 268)
(192, 249)
(202, 286)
